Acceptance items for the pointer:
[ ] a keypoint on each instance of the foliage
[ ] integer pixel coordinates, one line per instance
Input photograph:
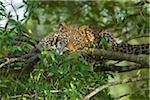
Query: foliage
(65, 76)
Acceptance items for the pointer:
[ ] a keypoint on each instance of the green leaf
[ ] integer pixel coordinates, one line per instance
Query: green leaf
(21, 6)
(12, 21)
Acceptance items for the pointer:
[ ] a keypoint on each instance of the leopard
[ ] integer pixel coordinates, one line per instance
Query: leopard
(74, 38)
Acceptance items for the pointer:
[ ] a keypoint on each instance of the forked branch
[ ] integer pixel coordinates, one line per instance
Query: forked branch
(97, 90)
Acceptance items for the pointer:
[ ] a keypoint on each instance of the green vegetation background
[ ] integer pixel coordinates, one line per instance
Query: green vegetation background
(71, 74)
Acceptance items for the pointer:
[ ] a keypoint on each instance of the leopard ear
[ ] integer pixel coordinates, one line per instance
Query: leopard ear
(62, 25)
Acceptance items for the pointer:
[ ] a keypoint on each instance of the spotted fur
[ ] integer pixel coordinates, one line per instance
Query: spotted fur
(76, 37)
(71, 36)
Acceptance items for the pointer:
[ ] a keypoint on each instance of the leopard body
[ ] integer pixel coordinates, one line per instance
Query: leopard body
(76, 37)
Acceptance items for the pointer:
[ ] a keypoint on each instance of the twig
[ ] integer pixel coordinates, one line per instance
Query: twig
(11, 60)
(15, 97)
(97, 90)
(17, 16)
(33, 95)
(126, 94)
(56, 91)
(14, 11)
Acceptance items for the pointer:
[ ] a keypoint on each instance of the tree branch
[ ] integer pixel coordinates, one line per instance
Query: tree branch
(135, 37)
(112, 55)
(139, 90)
(114, 68)
(22, 40)
(11, 60)
(97, 90)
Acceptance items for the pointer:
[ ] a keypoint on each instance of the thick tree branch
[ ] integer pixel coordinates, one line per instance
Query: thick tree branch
(142, 61)
(112, 55)
(97, 90)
